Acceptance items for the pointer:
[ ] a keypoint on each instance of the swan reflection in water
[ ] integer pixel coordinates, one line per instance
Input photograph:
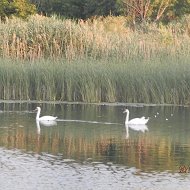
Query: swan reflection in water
(45, 124)
(139, 128)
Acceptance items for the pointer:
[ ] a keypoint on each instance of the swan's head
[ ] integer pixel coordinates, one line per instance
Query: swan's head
(37, 109)
(126, 111)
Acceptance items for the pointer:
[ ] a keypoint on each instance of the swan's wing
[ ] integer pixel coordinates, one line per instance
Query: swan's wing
(47, 118)
(137, 121)
(146, 120)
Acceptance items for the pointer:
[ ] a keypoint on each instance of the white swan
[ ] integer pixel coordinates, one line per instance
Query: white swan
(135, 121)
(44, 118)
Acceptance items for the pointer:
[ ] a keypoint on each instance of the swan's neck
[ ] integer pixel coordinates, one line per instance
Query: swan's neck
(38, 114)
(127, 117)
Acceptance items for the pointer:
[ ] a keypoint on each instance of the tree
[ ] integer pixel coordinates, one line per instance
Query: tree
(6, 8)
(77, 8)
(101, 8)
(23, 8)
(181, 7)
(48, 7)
(142, 10)
(19, 8)
(136, 10)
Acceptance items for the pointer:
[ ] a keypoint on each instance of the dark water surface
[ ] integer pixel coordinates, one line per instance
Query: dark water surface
(89, 147)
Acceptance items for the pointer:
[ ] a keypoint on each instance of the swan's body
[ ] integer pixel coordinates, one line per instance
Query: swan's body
(47, 123)
(44, 118)
(141, 128)
(135, 121)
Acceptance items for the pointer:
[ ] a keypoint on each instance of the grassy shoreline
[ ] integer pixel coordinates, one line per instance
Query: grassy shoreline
(87, 103)
(94, 61)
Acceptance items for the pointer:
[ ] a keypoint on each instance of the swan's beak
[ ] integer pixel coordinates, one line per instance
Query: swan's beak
(35, 109)
(125, 111)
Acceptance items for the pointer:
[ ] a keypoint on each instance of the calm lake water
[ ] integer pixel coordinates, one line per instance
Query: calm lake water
(89, 147)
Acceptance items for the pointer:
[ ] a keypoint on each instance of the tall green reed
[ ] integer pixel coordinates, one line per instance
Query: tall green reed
(88, 81)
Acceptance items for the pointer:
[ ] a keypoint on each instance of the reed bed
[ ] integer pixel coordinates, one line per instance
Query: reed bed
(101, 38)
(150, 82)
(99, 60)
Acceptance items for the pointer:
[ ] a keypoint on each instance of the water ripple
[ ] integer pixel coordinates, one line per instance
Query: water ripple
(33, 171)
(92, 122)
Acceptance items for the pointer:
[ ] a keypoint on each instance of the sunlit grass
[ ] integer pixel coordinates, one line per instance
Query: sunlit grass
(101, 38)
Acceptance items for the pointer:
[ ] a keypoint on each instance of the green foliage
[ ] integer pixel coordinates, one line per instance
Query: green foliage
(101, 8)
(23, 8)
(77, 8)
(19, 8)
(6, 9)
(181, 8)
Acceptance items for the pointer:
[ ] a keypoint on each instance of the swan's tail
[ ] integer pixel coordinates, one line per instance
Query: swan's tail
(146, 120)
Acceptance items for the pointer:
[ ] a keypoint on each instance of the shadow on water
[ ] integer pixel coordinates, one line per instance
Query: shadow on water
(92, 140)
